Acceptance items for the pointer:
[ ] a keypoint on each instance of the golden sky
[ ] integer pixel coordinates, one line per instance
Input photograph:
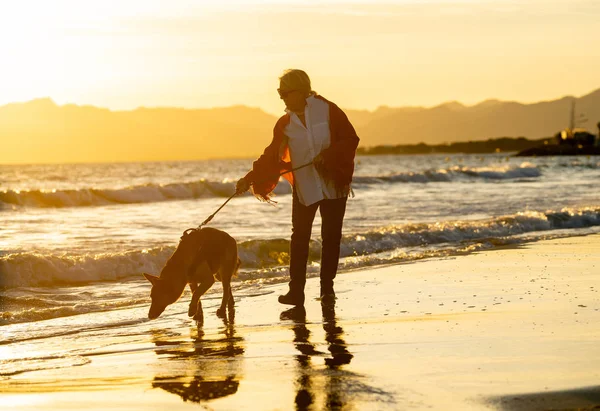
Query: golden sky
(123, 54)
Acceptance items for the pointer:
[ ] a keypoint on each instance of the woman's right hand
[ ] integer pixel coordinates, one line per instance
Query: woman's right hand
(318, 162)
(242, 186)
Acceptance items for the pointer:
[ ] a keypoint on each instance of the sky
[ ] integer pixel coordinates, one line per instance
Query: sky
(361, 54)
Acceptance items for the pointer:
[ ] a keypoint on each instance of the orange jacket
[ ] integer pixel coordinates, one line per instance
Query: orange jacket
(338, 158)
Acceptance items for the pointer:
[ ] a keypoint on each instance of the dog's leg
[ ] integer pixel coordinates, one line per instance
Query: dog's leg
(235, 270)
(198, 273)
(230, 307)
(202, 288)
(199, 315)
(226, 295)
(226, 271)
(193, 304)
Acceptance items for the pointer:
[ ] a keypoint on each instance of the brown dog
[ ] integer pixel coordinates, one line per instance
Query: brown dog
(201, 256)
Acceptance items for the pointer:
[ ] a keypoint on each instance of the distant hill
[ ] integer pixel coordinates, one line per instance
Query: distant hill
(70, 133)
(42, 131)
(453, 122)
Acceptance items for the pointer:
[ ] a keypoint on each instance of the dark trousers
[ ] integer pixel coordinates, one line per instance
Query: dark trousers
(332, 218)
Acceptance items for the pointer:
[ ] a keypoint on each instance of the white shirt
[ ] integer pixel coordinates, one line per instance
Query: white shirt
(305, 144)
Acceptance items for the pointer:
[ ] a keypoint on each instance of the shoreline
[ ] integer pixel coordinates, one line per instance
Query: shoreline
(468, 332)
(245, 285)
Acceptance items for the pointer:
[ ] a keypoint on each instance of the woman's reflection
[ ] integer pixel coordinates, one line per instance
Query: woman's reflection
(203, 368)
(305, 394)
(334, 337)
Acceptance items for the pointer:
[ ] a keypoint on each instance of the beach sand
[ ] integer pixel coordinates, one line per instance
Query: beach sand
(509, 329)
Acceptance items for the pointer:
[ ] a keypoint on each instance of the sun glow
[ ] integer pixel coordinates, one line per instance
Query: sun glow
(40, 51)
(122, 55)
(65, 49)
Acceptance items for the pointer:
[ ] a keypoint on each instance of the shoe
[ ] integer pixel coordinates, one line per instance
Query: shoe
(291, 299)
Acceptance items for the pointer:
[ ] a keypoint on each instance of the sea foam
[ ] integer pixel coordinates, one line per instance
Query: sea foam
(151, 193)
(35, 269)
(456, 173)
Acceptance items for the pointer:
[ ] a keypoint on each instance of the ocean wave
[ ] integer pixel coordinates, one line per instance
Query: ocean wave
(455, 173)
(35, 269)
(260, 257)
(578, 163)
(148, 193)
(151, 193)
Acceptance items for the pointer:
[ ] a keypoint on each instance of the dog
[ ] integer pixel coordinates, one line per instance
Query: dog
(203, 255)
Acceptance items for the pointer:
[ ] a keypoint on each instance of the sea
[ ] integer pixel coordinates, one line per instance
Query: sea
(76, 238)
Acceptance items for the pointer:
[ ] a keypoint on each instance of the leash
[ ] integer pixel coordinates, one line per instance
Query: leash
(236, 193)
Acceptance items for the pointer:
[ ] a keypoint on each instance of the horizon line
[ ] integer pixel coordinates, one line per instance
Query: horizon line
(383, 106)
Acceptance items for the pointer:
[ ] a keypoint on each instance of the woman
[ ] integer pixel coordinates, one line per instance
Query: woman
(313, 130)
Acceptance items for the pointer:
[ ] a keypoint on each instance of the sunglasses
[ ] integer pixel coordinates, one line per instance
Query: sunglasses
(284, 93)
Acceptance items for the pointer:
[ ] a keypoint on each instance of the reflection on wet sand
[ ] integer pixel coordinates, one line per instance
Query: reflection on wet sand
(201, 369)
(336, 381)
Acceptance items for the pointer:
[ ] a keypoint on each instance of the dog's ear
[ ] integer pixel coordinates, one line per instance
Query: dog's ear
(153, 279)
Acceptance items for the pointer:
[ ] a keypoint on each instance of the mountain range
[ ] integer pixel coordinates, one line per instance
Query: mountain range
(40, 131)
(454, 122)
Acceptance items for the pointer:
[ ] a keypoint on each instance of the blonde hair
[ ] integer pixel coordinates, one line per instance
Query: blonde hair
(294, 79)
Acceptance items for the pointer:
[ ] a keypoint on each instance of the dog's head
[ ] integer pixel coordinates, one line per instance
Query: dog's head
(160, 294)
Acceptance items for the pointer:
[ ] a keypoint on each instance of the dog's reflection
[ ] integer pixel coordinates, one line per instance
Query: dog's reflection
(306, 373)
(205, 368)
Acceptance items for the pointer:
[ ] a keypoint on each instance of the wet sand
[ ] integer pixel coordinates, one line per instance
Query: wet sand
(509, 329)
